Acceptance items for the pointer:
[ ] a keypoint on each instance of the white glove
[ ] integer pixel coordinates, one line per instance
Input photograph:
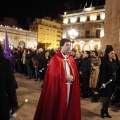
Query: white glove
(103, 85)
(13, 115)
(40, 70)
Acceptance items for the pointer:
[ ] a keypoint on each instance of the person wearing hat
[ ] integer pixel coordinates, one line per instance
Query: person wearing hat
(107, 73)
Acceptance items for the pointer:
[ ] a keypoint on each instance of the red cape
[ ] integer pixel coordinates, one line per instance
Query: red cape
(53, 99)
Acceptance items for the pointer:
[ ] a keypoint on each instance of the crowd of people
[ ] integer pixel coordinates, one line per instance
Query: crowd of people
(32, 63)
(99, 70)
(98, 75)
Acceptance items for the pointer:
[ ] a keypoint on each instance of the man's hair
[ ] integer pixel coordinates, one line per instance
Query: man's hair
(88, 52)
(63, 41)
(95, 61)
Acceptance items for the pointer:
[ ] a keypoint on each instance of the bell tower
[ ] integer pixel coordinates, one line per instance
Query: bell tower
(112, 26)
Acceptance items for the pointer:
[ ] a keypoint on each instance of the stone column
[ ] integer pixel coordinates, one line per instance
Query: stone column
(112, 25)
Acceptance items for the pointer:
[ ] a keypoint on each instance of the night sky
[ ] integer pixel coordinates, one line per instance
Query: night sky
(22, 9)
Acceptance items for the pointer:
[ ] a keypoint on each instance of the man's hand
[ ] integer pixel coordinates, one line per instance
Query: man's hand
(80, 72)
(69, 78)
(14, 115)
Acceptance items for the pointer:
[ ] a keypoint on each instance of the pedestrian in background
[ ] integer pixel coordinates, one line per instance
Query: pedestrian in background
(107, 73)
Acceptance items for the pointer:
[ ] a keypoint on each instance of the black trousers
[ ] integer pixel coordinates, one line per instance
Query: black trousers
(85, 86)
(29, 69)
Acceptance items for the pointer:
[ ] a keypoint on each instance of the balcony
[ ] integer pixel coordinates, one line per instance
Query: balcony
(87, 37)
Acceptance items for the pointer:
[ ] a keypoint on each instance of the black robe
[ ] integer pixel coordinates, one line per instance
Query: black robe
(107, 72)
(7, 90)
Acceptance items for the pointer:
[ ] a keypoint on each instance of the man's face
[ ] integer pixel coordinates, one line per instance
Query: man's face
(93, 54)
(111, 54)
(77, 54)
(85, 55)
(19, 49)
(66, 47)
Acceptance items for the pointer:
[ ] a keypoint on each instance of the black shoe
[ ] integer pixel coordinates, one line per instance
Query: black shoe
(102, 113)
(107, 114)
(35, 80)
(83, 96)
(94, 100)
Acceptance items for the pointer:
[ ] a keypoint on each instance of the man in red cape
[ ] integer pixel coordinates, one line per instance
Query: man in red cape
(60, 96)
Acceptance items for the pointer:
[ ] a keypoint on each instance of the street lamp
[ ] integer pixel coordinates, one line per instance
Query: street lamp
(73, 34)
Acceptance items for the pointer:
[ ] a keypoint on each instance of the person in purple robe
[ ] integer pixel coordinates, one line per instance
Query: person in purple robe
(7, 54)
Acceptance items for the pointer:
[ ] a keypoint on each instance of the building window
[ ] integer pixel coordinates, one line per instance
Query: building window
(88, 18)
(98, 17)
(87, 33)
(69, 20)
(58, 36)
(78, 19)
(97, 33)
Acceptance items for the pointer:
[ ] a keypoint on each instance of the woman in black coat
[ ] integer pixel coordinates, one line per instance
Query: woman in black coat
(29, 63)
(107, 73)
(7, 90)
(45, 59)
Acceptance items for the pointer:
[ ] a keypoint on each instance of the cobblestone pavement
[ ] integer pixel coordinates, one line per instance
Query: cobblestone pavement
(30, 89)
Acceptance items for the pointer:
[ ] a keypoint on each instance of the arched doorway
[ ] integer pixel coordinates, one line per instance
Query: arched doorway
(77, 47)
(96, 47)
(86, 47)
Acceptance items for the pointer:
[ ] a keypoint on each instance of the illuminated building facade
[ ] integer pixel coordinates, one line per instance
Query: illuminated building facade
(85, 27)
(18, 37)
(49, 32)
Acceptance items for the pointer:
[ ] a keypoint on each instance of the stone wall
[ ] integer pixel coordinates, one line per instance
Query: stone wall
(112, 25)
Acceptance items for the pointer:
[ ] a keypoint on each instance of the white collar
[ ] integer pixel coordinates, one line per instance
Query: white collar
(65, 56)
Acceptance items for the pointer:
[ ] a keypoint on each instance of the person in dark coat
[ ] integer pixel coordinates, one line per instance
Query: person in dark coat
(115, 99)
(44, 64)
(18, 58)
(78, 60)
(107, 73)
(7, 90)
(85, 73)
(29, 63)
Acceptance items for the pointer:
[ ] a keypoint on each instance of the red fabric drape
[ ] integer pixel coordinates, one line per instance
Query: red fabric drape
(52, 104)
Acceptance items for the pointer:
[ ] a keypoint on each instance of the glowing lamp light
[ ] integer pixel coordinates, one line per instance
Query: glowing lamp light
(102, 32)
(73, 19)
(102, 15)
(73, 33)
(93, 17)
(1, 39)
(83, 18)
(65, 20)
(24, 102)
